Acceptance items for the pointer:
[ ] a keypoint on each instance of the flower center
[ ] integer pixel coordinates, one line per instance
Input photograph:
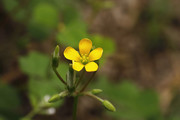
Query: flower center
(84, 59)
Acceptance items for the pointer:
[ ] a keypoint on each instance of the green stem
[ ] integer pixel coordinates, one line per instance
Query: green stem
(86, 84)
(93, 96)
(75, 107)
(31, 114)
(80, 79)
(74, 77)
(58, 75)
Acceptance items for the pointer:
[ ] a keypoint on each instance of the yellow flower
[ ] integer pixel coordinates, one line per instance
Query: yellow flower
(85, 58)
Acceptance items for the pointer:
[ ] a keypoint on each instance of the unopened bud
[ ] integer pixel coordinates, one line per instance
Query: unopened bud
(109, 106)
(57, 97)
(96, 91)
(56, 52)
(54, 98)
(55, 57)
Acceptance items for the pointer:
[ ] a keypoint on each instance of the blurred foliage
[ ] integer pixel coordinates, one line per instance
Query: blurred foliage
(44, 20)
(61, 18)
(131, 102)
(40, 14)
(70, 35)
(42, 81)
(10, 99)
(98, 5)
(44, 17)
(158, 16)
(9, 5)
(9, 102)
(35, 64)
(174, 110)
(106, 43)
(41, 19)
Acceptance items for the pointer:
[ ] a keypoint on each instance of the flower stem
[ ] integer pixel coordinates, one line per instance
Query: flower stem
(94, 96)
(74, 77)
(31, 114)
(75, 107)
(58, 75)
(80, 79)
(86, 84)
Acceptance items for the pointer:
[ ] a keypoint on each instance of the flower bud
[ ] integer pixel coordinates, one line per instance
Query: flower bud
(57, 97)
(55, 57)
(96, 91)
(108, 106)
(54, 98)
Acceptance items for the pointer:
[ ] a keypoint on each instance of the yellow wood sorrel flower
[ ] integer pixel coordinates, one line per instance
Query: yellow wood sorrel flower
(85, 58)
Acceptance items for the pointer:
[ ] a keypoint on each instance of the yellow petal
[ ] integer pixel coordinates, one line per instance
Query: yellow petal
(85, 46)
(71, 54)
(77, 66)
(91, 67)
(96, 54)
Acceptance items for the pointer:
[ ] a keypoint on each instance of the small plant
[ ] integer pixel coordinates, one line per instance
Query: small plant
(86, 60)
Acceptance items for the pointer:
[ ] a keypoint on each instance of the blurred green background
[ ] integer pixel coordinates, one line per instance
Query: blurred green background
(139, 70)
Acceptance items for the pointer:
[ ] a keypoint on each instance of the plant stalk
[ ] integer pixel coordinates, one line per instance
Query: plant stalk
(80, 79)
(86, 84)
(31, 114)
(75, 107)
(94, 96)
(58, 75)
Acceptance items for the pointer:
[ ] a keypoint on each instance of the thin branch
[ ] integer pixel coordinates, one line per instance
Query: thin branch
(58, 75)
(93, 96)
(80, 79)
(86, 84)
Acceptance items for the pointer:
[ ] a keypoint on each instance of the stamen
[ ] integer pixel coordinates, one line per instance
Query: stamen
(84, 59)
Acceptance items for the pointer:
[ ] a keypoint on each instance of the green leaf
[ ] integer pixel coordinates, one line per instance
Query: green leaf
(71, 34)
(39, 88)
(10, 5)
(131, 102)
(38, 32)
(35, 64)
(44, 20)
(9, 98)
(20, 15)
(148, 103)
(2, 117)
(41, 84)
(106, 43)
(70, 14)
(68, 10)
(45, 14)
(174, 118)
